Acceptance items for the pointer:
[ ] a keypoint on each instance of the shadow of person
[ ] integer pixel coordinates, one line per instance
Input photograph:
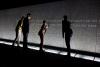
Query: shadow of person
(67, 34)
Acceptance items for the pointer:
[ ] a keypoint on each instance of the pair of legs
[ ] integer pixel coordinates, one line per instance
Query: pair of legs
(67, 40)
(17, 39)
(41, 42)
(25, 36)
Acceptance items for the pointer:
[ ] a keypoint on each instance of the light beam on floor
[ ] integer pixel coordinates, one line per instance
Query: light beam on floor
(97, 59)
(84, 57)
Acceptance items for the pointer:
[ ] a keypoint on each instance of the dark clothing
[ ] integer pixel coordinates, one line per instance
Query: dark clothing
(25, 36)
(66, 27)
(15, 38)
(25, 30)
(67, 33)
(41, 33)
(67, 41)
(17, 29)
(42, 30)
(42, 40)
(18, 25)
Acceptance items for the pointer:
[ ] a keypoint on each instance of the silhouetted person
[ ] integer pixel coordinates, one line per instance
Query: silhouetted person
(67, 33)
(18, 31)
(41, 33)
(25, 30)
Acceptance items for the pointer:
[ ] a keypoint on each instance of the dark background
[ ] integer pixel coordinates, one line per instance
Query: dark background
(6, 4)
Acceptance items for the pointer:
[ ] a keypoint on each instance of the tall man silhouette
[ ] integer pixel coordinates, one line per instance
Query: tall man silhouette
(67, 33)
(25, 30)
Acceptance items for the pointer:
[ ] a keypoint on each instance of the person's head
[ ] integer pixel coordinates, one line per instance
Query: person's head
(29, 16)
(44, 21)
(65, 17)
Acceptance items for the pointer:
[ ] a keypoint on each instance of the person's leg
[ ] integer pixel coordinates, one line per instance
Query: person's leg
(25, 35)
(19, 36)
(67, 39)
(15, 38)
(42, 39)
(68, 48)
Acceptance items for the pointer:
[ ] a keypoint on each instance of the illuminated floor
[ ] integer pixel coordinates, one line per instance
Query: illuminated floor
(97, 59)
